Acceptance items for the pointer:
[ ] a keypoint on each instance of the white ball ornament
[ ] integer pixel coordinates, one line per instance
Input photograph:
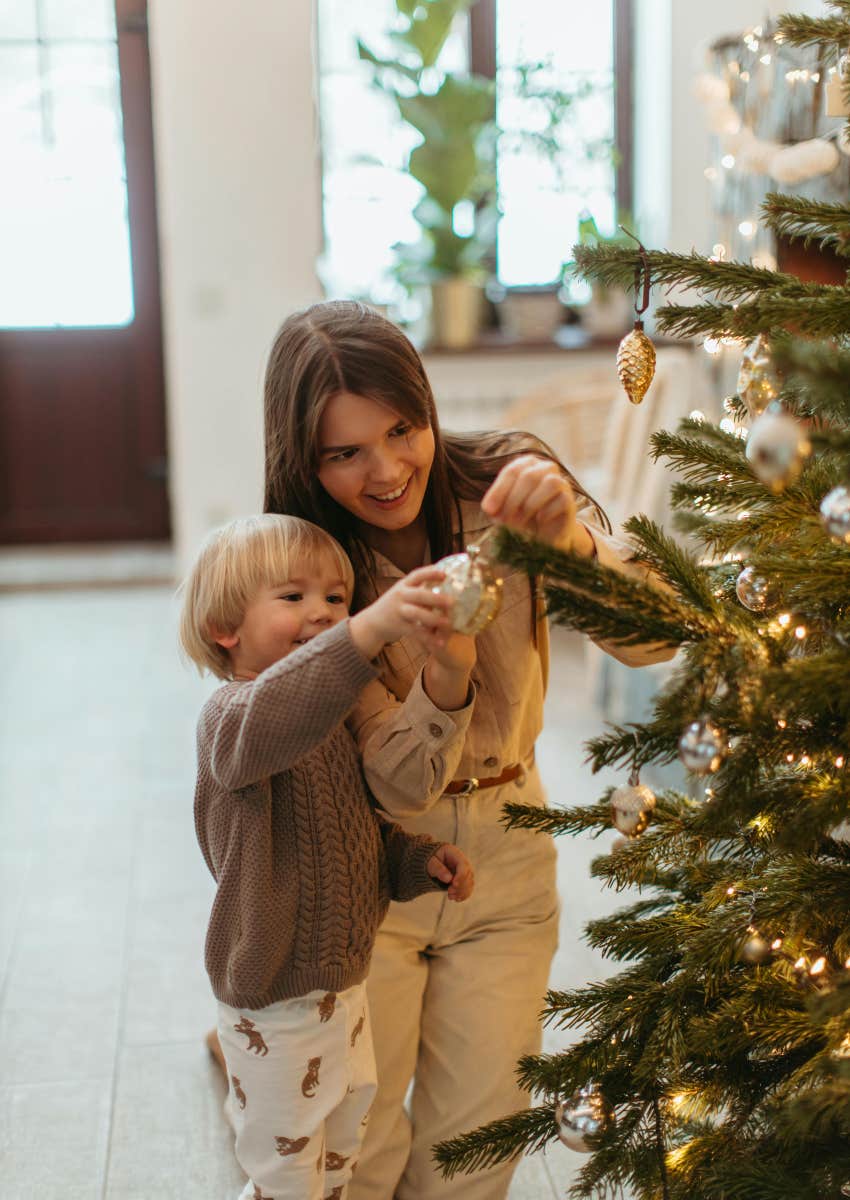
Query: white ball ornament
(630, 806)
(804, 160)
(835, 513)
(777, 447)
(754, 949)
(584, 1116)
(701, 747)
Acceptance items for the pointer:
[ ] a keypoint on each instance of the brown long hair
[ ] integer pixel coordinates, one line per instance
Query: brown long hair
(344, 346)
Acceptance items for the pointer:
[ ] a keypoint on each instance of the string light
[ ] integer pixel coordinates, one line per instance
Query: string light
(782, 723)
(728, 161)
(711, 345)
(817, 966)
(839, 762)
(800, 632)
(784, 620)
(776, 944)
(730, 891)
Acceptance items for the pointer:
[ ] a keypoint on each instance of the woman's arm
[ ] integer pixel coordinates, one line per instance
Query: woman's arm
(410, 749)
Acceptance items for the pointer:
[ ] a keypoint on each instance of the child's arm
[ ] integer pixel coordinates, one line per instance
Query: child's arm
(263, 726)
(260, 728)
(416, 864)
(410, 749)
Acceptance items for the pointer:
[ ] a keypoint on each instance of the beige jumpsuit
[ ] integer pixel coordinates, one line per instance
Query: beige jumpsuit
(455, 989)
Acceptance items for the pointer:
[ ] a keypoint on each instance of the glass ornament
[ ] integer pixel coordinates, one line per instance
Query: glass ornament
(835, 513)
(476, 589)
(758, 381)
(701, 747)
(584, 1116)
(630, 806)
(755, 592)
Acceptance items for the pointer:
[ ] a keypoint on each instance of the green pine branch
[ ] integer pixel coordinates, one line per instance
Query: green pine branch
(813, 221)
(800, 30)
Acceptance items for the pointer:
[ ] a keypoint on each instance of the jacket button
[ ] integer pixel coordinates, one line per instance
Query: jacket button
(491, 761)
(435, 730)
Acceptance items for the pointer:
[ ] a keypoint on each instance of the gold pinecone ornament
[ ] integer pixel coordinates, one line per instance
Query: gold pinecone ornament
(636, 363)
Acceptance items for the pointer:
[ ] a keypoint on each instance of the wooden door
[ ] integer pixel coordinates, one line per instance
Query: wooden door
(82, 411)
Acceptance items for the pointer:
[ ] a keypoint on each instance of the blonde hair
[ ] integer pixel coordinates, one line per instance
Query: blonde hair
(236, 562)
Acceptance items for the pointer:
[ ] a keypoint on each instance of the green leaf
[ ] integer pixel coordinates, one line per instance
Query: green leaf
(446, 172)
(426, 34)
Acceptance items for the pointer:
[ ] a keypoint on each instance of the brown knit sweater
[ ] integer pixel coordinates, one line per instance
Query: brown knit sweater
(305, 866)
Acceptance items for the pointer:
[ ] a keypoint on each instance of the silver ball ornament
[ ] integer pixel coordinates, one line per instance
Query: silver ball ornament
(754, 591)
(475, 588)
(776, 448)
(835, 513)
(630, 806)
(701, 747)
(584, 1116)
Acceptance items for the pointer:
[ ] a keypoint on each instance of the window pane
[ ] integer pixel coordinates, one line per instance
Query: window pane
(64, 234)
(79, 19)
(18, 19)
(542, 194)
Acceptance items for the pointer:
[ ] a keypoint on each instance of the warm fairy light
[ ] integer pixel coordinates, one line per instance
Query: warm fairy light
(709, 793)
(718, 252)
(730, 891)
(839, 762)
(805, 761)
(789, 758)
(800, 964)
(766, 59)
(711, 345)
(710, 172)
(815, 76)
(728, 425)
(847, 965)
(747, 228)
(696, 414)
(742, 516)
(784, 620)
(679, 1099)
(728, 161)
(817, 966)
(776, 943)
(783, 724)
(800, 632)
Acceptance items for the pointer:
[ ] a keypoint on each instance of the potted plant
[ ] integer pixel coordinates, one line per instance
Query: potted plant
(455, 114)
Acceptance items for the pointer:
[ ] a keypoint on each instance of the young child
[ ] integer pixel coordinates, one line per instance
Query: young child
(304, 865)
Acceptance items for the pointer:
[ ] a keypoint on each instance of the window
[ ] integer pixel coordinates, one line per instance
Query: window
(368, 199)
(64, 236)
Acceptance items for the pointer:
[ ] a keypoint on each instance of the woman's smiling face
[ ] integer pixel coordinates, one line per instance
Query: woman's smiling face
(373, 462)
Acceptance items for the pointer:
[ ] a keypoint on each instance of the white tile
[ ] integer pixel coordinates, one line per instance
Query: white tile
(170, 1140)
(53, 1140)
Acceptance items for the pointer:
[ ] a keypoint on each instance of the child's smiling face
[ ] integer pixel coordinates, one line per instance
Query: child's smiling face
(281, 618)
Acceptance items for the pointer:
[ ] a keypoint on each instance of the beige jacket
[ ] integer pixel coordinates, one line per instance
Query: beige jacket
(411, 749)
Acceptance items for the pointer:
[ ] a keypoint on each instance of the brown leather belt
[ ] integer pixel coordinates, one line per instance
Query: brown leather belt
(463, 787)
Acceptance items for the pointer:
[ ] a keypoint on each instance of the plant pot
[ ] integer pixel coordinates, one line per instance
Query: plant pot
(531, 314)
(608, 313)
(457, 310)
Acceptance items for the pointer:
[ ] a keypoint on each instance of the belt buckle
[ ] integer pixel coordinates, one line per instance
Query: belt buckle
(469, 786)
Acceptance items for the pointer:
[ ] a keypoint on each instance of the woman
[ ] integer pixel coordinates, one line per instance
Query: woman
(353, 443)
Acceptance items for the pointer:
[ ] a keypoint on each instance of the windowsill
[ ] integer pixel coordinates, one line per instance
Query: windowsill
(568, 338)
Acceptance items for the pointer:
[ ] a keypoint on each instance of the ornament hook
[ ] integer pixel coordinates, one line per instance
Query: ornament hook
(643, 275)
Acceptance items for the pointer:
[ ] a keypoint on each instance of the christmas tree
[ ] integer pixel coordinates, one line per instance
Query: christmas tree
(715, 1064)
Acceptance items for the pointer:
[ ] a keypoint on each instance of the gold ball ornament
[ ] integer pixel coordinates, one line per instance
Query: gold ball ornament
(475, 588)
(636, 363)
(758, 382)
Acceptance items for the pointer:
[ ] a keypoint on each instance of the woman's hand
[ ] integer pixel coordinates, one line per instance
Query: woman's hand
(531, 494)
(452, 868)
(409, 607)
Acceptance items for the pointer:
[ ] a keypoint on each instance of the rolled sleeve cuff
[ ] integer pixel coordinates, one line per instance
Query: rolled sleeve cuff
(433, 725)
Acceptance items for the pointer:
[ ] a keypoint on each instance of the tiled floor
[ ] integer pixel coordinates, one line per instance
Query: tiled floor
(106, 1090)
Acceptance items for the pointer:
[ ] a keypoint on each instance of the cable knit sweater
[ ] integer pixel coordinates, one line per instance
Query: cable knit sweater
(305, 866)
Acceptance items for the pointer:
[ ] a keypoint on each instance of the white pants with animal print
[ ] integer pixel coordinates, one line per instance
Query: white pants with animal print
(302, 1081)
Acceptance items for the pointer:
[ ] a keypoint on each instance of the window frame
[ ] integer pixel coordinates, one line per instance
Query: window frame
(482, 61)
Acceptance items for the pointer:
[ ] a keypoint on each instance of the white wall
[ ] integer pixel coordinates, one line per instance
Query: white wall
(671, 142)
(239, 205)
(239, 215)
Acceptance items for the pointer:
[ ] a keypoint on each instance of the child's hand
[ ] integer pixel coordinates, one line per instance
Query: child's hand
(408, 607)
(451, 651)
(451, 866)
(530, 494)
